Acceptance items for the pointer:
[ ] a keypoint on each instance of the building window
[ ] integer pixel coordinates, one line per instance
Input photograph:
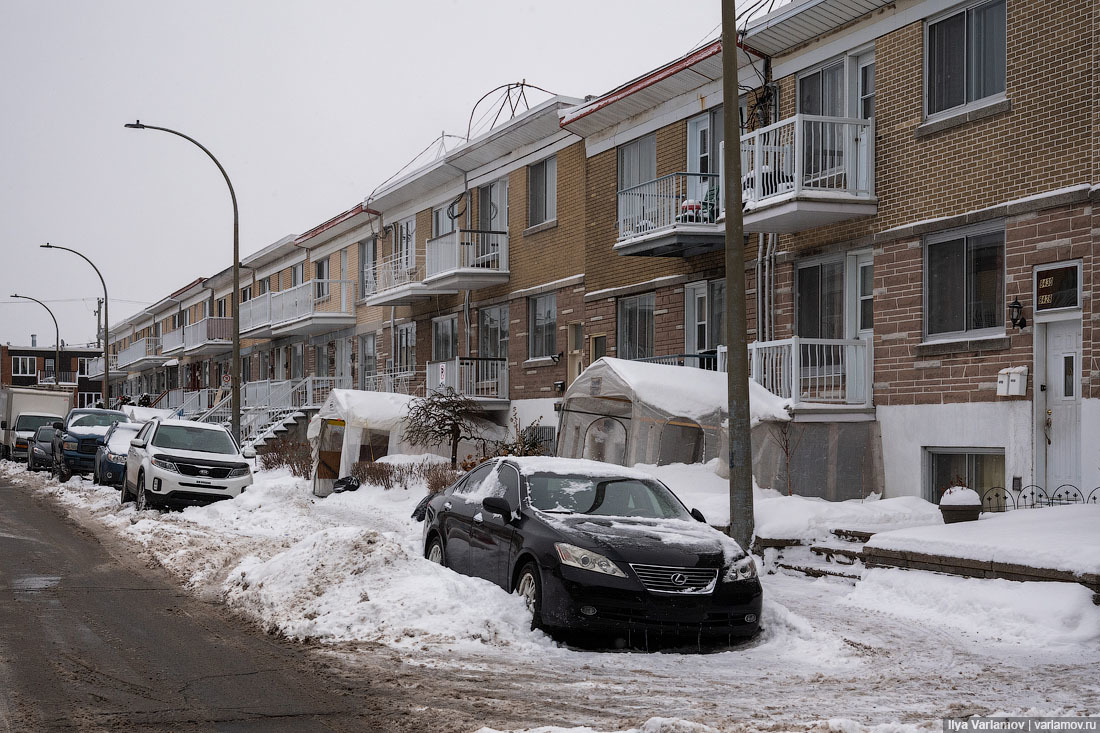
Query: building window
(246, 295)
(820, 300)
(492, 208)
(704, 316)
(221, 307)
(492, 332)
(82, 365)
(404, 247)
(637, 162)
(23, 366)
(964, 282)
(445, 338)
(980, 469)
(442, 223)
(636, 326)
(87, 399)
(965, 57)
(406, 348)
(542, 316)
(542, 185)
(320, 277)
(368, 359)
(866, 296)
(822, 92)
(367, 252)
(297, 274)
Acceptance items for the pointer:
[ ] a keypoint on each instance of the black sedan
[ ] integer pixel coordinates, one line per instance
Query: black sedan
(594, 547)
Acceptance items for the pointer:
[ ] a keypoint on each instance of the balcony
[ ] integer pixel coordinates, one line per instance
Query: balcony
(95, 368)
(399, 280)
(64, 378)
(172, 342)
(395, 381)
(808, 171)
(316, 306)
(142, 354)
(819, 372)
(479, 379)
(466, 259)
(256, 316)
(678, 215)
(208, 336)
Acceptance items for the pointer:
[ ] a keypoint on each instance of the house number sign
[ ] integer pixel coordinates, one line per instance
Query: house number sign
(1056, 287)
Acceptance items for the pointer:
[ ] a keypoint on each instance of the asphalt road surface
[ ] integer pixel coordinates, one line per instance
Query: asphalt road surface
(91, 639)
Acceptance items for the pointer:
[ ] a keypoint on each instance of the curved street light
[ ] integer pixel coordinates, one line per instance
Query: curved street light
(57, 337)
(235, 367)
(105, 388)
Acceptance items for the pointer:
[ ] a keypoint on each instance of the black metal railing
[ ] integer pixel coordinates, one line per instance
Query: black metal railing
(1033, 496)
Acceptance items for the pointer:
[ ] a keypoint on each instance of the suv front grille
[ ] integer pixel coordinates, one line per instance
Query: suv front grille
(88, 445)
(191, 469)
(685, 581)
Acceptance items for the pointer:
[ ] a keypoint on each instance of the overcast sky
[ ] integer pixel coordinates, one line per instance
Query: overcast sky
(308, 105)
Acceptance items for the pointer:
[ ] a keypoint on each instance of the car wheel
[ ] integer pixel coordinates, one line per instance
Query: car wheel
(95, 475)
(434, 552)
(529, 587)
(60, 471)
(124, 494)
(30, 461)
(142, 495)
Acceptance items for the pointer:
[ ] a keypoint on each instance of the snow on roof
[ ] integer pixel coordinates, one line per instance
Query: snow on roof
(381, 410)
(690, 392)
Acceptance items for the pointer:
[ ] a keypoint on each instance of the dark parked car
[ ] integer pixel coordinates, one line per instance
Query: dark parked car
(79, 437)
(110, 457)
(40, 454)
(594, 547)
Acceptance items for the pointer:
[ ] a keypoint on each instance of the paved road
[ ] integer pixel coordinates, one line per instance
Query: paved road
(90, 639)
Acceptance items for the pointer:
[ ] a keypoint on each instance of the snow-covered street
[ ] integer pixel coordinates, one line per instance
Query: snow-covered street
(898, 651)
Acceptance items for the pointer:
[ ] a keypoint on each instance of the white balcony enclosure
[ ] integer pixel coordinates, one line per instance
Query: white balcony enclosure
(467, 259)
(95, 367)
(142, 354)
(208, 336)
(808, 171)
(479, 379)
(315, 306)
(815, 371)
(172, 342)
(675, 215)
(399, 280)
(256, 316)
(51, 377)
(393, 380)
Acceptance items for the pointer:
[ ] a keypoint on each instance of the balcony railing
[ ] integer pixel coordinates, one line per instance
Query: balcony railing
(808, 154)
(208, 331)
(668, 201)
(256, 313)
(399, 382)
(171, 341)
(396, 271)
(140, 349)
(467, 248)
(477, 378)
(823, 371)
(95, 366)
(50, 377)
(316, 297)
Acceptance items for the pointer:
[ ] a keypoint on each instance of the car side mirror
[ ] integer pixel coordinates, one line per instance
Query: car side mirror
(248, 452)
(4, 425)
(698, 516)
(497, 505)
(135, 443)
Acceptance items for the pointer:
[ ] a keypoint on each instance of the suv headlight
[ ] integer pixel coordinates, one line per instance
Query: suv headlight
(239, 472)
(116, 457)
(166, 465)
(578, 557)
(70, 445)
(743, 569)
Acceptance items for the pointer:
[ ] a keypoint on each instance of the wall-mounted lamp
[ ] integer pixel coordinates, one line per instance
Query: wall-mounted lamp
(557, 357)
(1016, 314)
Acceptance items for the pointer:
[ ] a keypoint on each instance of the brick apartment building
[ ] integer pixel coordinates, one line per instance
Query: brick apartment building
(34, 366)
(919, 253)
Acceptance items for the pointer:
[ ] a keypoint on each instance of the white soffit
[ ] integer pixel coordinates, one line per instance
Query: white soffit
(804, 20)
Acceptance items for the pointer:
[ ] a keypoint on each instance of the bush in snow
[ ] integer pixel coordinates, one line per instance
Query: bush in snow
(439, 476)
(374, 473)
(286, 453)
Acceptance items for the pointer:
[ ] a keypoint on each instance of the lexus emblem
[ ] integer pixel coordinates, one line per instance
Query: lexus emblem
(678, 579)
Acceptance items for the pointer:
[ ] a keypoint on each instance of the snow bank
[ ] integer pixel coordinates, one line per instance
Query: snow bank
(653, 725)
(1057, 538)
(1038, 614)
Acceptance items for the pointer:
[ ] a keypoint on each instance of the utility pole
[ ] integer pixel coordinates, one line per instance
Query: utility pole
(98, 314)
(737, 362)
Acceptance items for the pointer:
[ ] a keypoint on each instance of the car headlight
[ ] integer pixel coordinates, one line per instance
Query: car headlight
(578, 557)
(166, 465)
(239, 472)
(116, 457)
(70, 445)
(743, 569)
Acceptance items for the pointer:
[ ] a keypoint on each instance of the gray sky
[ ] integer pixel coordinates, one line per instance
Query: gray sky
(308, 105)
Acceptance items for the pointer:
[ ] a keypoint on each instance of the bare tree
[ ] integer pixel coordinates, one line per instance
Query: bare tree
(443, 417)
(788, 445)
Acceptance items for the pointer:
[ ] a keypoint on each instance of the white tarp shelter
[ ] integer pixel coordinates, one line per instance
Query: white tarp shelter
(630, 412)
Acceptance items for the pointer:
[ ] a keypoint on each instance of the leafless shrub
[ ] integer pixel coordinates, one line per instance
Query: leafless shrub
(439, 476)
(284, 452)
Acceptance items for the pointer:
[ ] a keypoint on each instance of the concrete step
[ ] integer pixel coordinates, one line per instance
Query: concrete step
(852, 535)
(839, 555)
(815, 570)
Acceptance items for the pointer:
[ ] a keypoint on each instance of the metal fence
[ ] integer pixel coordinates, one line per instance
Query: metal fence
(1000, 499)
(467, 248)
(678, 198)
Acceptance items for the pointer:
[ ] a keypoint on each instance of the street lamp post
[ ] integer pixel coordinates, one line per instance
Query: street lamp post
(235, 368)
(106, 324)
(57, 337)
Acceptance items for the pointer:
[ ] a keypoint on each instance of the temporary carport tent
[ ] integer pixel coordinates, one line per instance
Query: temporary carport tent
(630, 412)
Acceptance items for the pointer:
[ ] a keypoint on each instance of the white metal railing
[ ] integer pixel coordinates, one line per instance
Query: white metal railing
(256, 312)
(171, 341)
(95, 366)
(397, 270)
(830, 371)
(197, 402)
(678, 198)
(207, 331)
(332, 297)
(172, 399)
(138, 350)
(467, 248)
(265, 392)
(393, 380)
(808, 153)
(473, 377)
(51, 377)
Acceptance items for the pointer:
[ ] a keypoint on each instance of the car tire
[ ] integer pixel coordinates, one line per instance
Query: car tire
(529, 587)
(124, 493)
(60, 471)
(435, 553)
(95, 475)
(143, 500)
(30, 461)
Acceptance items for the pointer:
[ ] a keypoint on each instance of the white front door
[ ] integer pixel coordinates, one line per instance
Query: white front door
(1062, 418)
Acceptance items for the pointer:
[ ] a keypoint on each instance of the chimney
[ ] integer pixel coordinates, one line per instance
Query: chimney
(34, 340)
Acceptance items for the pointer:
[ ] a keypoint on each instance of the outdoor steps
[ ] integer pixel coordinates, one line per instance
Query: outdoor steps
(852, 535)
(839, 555)
(815, 564)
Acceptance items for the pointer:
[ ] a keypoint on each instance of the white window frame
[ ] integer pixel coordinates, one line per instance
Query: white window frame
(965, 234)
(698, 295)
(1054, 314)
(246, 295)
(547, 331)
(442, 223)
(928, 487)
(368, 358)
(966, 104)
(444, 338)
(297, 274)
(404, 245)
(87, 399)
(484, 338)
(82, 365)
(368, 251)
(19, 366)
(638, 158)
(322, 268)
(636, 340)
(545, 210)
(405, 358)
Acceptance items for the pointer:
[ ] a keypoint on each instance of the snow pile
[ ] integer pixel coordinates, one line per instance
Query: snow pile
(960, 496)
(1038, 614)
(653, 725)
(1055, 538)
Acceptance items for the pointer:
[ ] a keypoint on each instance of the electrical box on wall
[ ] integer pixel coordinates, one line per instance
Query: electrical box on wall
(1012, 382)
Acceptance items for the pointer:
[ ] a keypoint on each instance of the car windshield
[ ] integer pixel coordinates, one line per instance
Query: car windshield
(603, 496)
(44, 434)
(186, 437)
(119, 440)
(96, 419)
(34, 422)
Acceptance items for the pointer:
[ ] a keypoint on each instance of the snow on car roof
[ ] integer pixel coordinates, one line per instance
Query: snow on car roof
(529, 465)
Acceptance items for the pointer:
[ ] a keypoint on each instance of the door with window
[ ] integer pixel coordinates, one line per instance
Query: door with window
(1062, 420)
(705, 134)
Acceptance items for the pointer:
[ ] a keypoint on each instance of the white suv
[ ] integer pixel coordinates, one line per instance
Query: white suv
(186, 463)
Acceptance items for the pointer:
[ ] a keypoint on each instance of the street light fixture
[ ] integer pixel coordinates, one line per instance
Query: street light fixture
(106, 324)
(57, 337)
(235, 367)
